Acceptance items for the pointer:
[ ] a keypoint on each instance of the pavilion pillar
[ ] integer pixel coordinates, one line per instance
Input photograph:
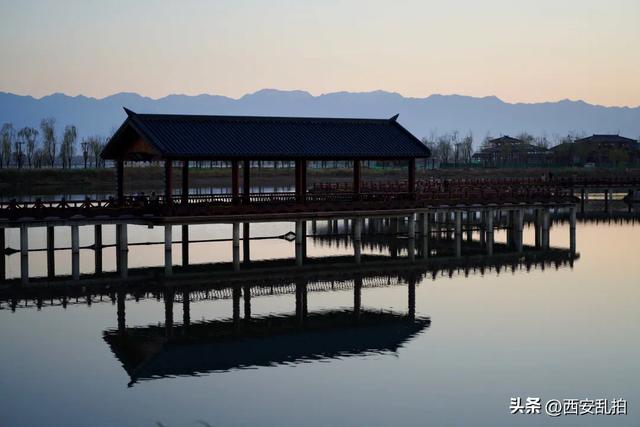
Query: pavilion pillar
(235, 182)
(184, 196)
(246, 181)
(168, 181)
(301, 180)
(411, 178)
(357, 179)
(120, 181)
(236, 293)
(121, 313)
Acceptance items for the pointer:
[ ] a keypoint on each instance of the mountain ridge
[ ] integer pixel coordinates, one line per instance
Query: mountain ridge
(433, 114)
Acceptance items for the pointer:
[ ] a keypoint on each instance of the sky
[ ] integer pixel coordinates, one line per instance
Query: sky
(520, 51)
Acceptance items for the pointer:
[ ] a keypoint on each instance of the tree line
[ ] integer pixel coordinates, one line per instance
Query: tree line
(31, 147)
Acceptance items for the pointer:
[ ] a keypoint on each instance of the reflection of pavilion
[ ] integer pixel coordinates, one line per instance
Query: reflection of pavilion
(191, 348)
(217, 346)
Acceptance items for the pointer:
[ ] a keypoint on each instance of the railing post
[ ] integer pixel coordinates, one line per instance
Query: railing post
(235, 182)
(246, 181)
(168, 181)
(184, 196)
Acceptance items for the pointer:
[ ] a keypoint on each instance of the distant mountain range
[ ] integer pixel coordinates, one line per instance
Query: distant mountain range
(423, 116)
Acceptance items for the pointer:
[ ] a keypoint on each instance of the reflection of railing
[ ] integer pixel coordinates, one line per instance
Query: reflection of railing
(272, 277)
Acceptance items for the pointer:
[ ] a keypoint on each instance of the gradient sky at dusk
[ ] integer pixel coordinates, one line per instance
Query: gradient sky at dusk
(520, 51)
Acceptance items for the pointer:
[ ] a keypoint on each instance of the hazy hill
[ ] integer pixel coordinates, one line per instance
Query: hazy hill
(422, 116)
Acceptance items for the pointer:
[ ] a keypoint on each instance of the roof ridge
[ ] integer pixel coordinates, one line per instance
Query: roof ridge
(304, 119)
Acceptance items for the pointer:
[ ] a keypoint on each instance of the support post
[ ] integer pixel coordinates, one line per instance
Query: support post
(425, 232)
(184, 196)
(235, 182)
(24, 254)
(411, 290)
(357, 297)
(97, 247)
(185, 245)
(572, 229)
(122, 250)
(75, 251)
(168, 181)
(186, 309)
(121, 312)
(168, 245)
(458, 233)
(545, 229)
(3, 259)
(246, 244)
(246, 293)
(582, 199)
(357, 239)
(246, 181)
(236, 246)
(518, 229)
(51, 254)
(236, 305)
(489, 230)
(411, 234)
(169, 296)
(299, 239)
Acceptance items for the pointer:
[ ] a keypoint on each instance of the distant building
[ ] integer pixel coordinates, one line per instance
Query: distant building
(508, 151)
(598, 150)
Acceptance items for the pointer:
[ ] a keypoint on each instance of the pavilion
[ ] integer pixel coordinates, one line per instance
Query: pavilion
(168, 138)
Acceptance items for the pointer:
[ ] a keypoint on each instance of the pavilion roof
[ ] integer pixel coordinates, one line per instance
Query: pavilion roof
(171, 136)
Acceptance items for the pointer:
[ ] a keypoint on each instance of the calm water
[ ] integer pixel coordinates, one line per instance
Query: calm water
(476, 342)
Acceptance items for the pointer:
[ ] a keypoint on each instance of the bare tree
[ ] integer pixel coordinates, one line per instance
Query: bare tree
(48, 129)
(28, 136)
(7, 134)
(466, 148)
(95, 146)
(444, 148)
(67, 148)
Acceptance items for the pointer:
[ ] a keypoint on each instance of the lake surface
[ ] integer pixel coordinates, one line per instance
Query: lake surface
(475, 341)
